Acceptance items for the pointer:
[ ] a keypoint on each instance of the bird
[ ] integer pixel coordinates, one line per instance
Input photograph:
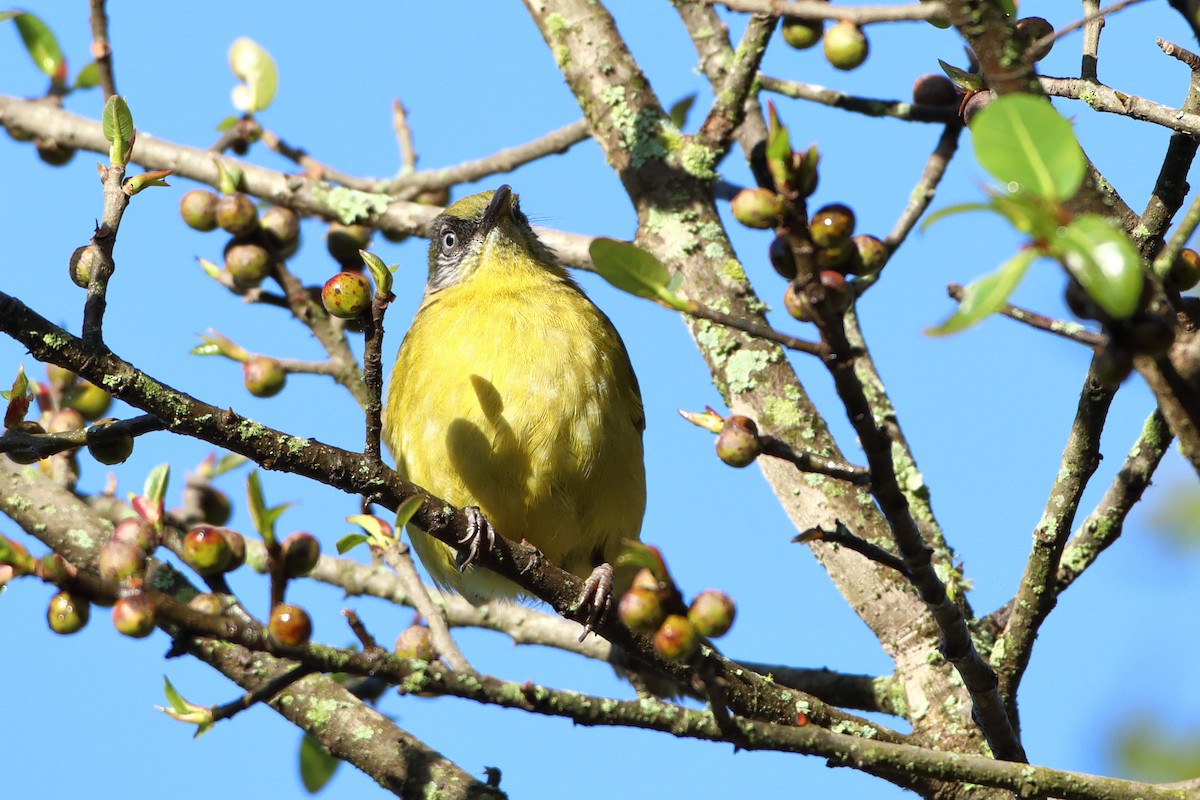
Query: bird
(1190, 9)
(513, 397)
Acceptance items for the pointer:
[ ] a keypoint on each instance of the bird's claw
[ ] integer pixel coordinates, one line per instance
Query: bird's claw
(479, 530)
(596, 598)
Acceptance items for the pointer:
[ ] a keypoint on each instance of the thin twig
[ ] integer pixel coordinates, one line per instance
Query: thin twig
(736, 84)
(842, 536)
(1066, 329)
(372, 375)
(898, 109)
(398, 557)
(314, 169)
(1104, 98)
(262, 694)
(810, 462)
(404, 138)
(755, 329)
(1091, 40)
(360, 631)
(44, 445)
(821, 9)
(102, 47)
(104, 239)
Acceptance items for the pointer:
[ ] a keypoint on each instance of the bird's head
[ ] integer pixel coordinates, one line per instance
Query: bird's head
(484, 230)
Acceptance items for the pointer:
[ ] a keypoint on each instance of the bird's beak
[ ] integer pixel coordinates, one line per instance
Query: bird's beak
(499, 206)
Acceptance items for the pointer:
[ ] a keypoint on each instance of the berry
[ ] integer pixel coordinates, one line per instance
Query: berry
(346, 295)
(301, 551)
(248, 262)
(344, 242)
(1151, 336)
(289, 625)
(120, 561)
(976, 103)
(137, 532)
(67, 613)
(802, 33)
(111, 451)
(712, 613)
(236, 214)
(846, 46)
(83, 264)
(199, 210)
(934, 90)
(782, 258)
(837, 291)
(1030, 30)
(434, 197)
(1185, 272)
(757, 208)
(237, 548)
(796, 302)
(869, 257)
(206, 550)
(53, 153)
(134, 615)
(215, 506)
(264, 377)
(738, 443)
(415, 641)
(62, 421)
(644, 579)
(281, 229)
(1113, 364)
(641, 610)
(88, 399)
(832, 225)
(676, 638)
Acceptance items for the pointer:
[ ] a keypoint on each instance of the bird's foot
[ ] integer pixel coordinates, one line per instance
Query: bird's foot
(595, 600)
(480, 535)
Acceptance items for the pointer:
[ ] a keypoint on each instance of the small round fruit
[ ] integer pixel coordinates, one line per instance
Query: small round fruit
(206, 550)
(832, 225)
(301, 552)
(757, 208)
(264, 377)
(60, 378)
(738, 443)
(281, 228)
(62, 421)
(795, 300)
(248, 262)
(134, 615)
(25, 457)
(236, 214)
(802, 33)
(237, 548)
(846, 46)
(935, 90)
(782, 258)
(415, 641)
(837, 292)
(641, 610)
(120, 561)
(1113, 364)
(712, 613)
(1031, 30)
(137, 532)
(53, 153)
(215, 506)
(871, 254)
(344, 242)
(289, 625)
(1185, 272)
(67, 613)
(676, 638)
(837, 257)
(976, 103)
(88, 399)
(84, 262)
(199, 209)
(346, 295)
(1080, 302)
(110, 451)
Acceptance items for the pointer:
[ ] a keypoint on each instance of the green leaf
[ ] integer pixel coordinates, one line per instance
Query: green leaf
(228, 123)
(680, 110)
(138, 183)
(987, 294)
(18, 397)
(256, 69)
(259, 513)
(379, 272)
(117, 124)
(88, 77)
(779, 149)
(1104, 261)
(42, 46)
(316, 764)
(229, 177)
(407, 510)
(634, 270)
(971, 81)
(174, 698)
(1028, 146)
(227, 463)
(958, 208)
(349, 542)
(155, 488)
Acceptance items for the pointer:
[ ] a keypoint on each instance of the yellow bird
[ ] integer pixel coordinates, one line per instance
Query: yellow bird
(513, 394)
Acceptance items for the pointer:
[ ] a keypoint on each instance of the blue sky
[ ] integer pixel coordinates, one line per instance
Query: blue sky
(987, 411)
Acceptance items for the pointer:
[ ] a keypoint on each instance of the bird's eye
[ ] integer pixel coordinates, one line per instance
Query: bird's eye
(449, 240)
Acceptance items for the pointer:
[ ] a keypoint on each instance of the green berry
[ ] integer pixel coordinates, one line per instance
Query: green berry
(206, 550)
(67, 613)
(802, 33)
(870, 255)
(738, 443)
(236, 214)
(712, 613)
(83, 264)
(249, 263)
(846, 46)
(120, 561)
(757, 208)
(346, 295)
(415, 641)
(199, 209)
(641, 610)
(110, 451)
(1185, 272)
(281, 229)
(133, 615)
(88, 399)
(832, 225)
(264, 377)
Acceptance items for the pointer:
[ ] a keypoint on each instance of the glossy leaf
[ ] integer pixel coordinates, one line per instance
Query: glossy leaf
(379, 272)
(117, 124)
(779, 149)
(263, 516)
(987, 295)
(1028, 146)
(41, 45)
(634, 270)
(1104, 262)
(349, 542)
(155, 488)
(256, 69)
(971, 81)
